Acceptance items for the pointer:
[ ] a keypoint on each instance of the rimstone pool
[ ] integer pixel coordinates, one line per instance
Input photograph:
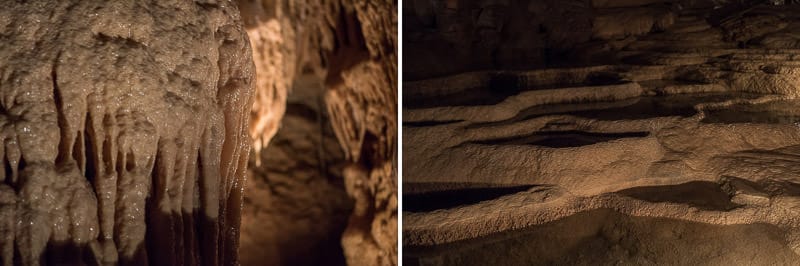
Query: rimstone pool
(601, 132)
(630, 181)
(627, 173)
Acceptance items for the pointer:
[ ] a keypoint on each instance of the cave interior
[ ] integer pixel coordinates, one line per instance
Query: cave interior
(601, 132)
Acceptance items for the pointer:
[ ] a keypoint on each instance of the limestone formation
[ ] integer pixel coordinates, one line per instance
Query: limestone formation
(351, 48)
(125, 131)
(296, 207)
(673, 143)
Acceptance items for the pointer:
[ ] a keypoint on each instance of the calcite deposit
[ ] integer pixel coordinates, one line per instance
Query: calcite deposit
(669, 135)
(125, 131)
(347, 51)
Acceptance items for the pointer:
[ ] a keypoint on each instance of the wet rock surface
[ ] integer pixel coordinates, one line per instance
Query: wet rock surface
(675, 124)
(124, 132)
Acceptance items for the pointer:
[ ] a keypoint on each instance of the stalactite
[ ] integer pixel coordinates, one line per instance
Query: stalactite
(125, 131)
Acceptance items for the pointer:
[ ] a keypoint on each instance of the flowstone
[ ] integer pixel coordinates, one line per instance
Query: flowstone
(125, 131)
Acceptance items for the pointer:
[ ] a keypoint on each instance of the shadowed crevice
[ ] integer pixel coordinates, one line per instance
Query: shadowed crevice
(701, 194)
(773, 112)
(66, 253)
(429, 123)
(445, 199)
(562, 139)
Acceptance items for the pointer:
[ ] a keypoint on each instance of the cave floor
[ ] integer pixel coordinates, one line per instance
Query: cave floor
(628, 172)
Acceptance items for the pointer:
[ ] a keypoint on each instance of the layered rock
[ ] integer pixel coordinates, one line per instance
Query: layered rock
(125, 131)
(448, 37)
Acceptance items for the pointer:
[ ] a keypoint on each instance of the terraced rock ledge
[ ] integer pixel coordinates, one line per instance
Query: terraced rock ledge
(683, 150)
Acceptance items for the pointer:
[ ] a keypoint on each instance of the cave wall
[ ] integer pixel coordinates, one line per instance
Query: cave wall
(124, 128)
(352, 47)
(296, 207)
(450, 36)
(127, 135)
(745, 46)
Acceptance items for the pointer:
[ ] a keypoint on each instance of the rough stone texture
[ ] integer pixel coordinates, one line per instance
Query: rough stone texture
(686, 131)
(125, 135)
(605, 237)
(352, 47)
(449, 37)
(296, 207)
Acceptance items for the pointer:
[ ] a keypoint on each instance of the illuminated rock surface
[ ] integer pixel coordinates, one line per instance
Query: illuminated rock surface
(336, 62)
(674, 145)
(125, 131)
(296, 207)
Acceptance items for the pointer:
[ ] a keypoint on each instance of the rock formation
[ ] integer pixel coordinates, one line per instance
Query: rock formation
(351, 48)
(127, 136)
(125, 131)
(641, 132)
(296, 207)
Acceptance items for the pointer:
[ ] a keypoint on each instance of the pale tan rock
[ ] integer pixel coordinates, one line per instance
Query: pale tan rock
(125, 131)
(692, 128)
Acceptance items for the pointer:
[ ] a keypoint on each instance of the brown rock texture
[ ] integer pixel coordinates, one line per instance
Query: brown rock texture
(351, 47)
(125, 131)
(640, 151)
(296, 207)
(449, 37)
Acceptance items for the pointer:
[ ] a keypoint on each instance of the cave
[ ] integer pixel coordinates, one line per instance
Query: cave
(600, 132)
(198, 132)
